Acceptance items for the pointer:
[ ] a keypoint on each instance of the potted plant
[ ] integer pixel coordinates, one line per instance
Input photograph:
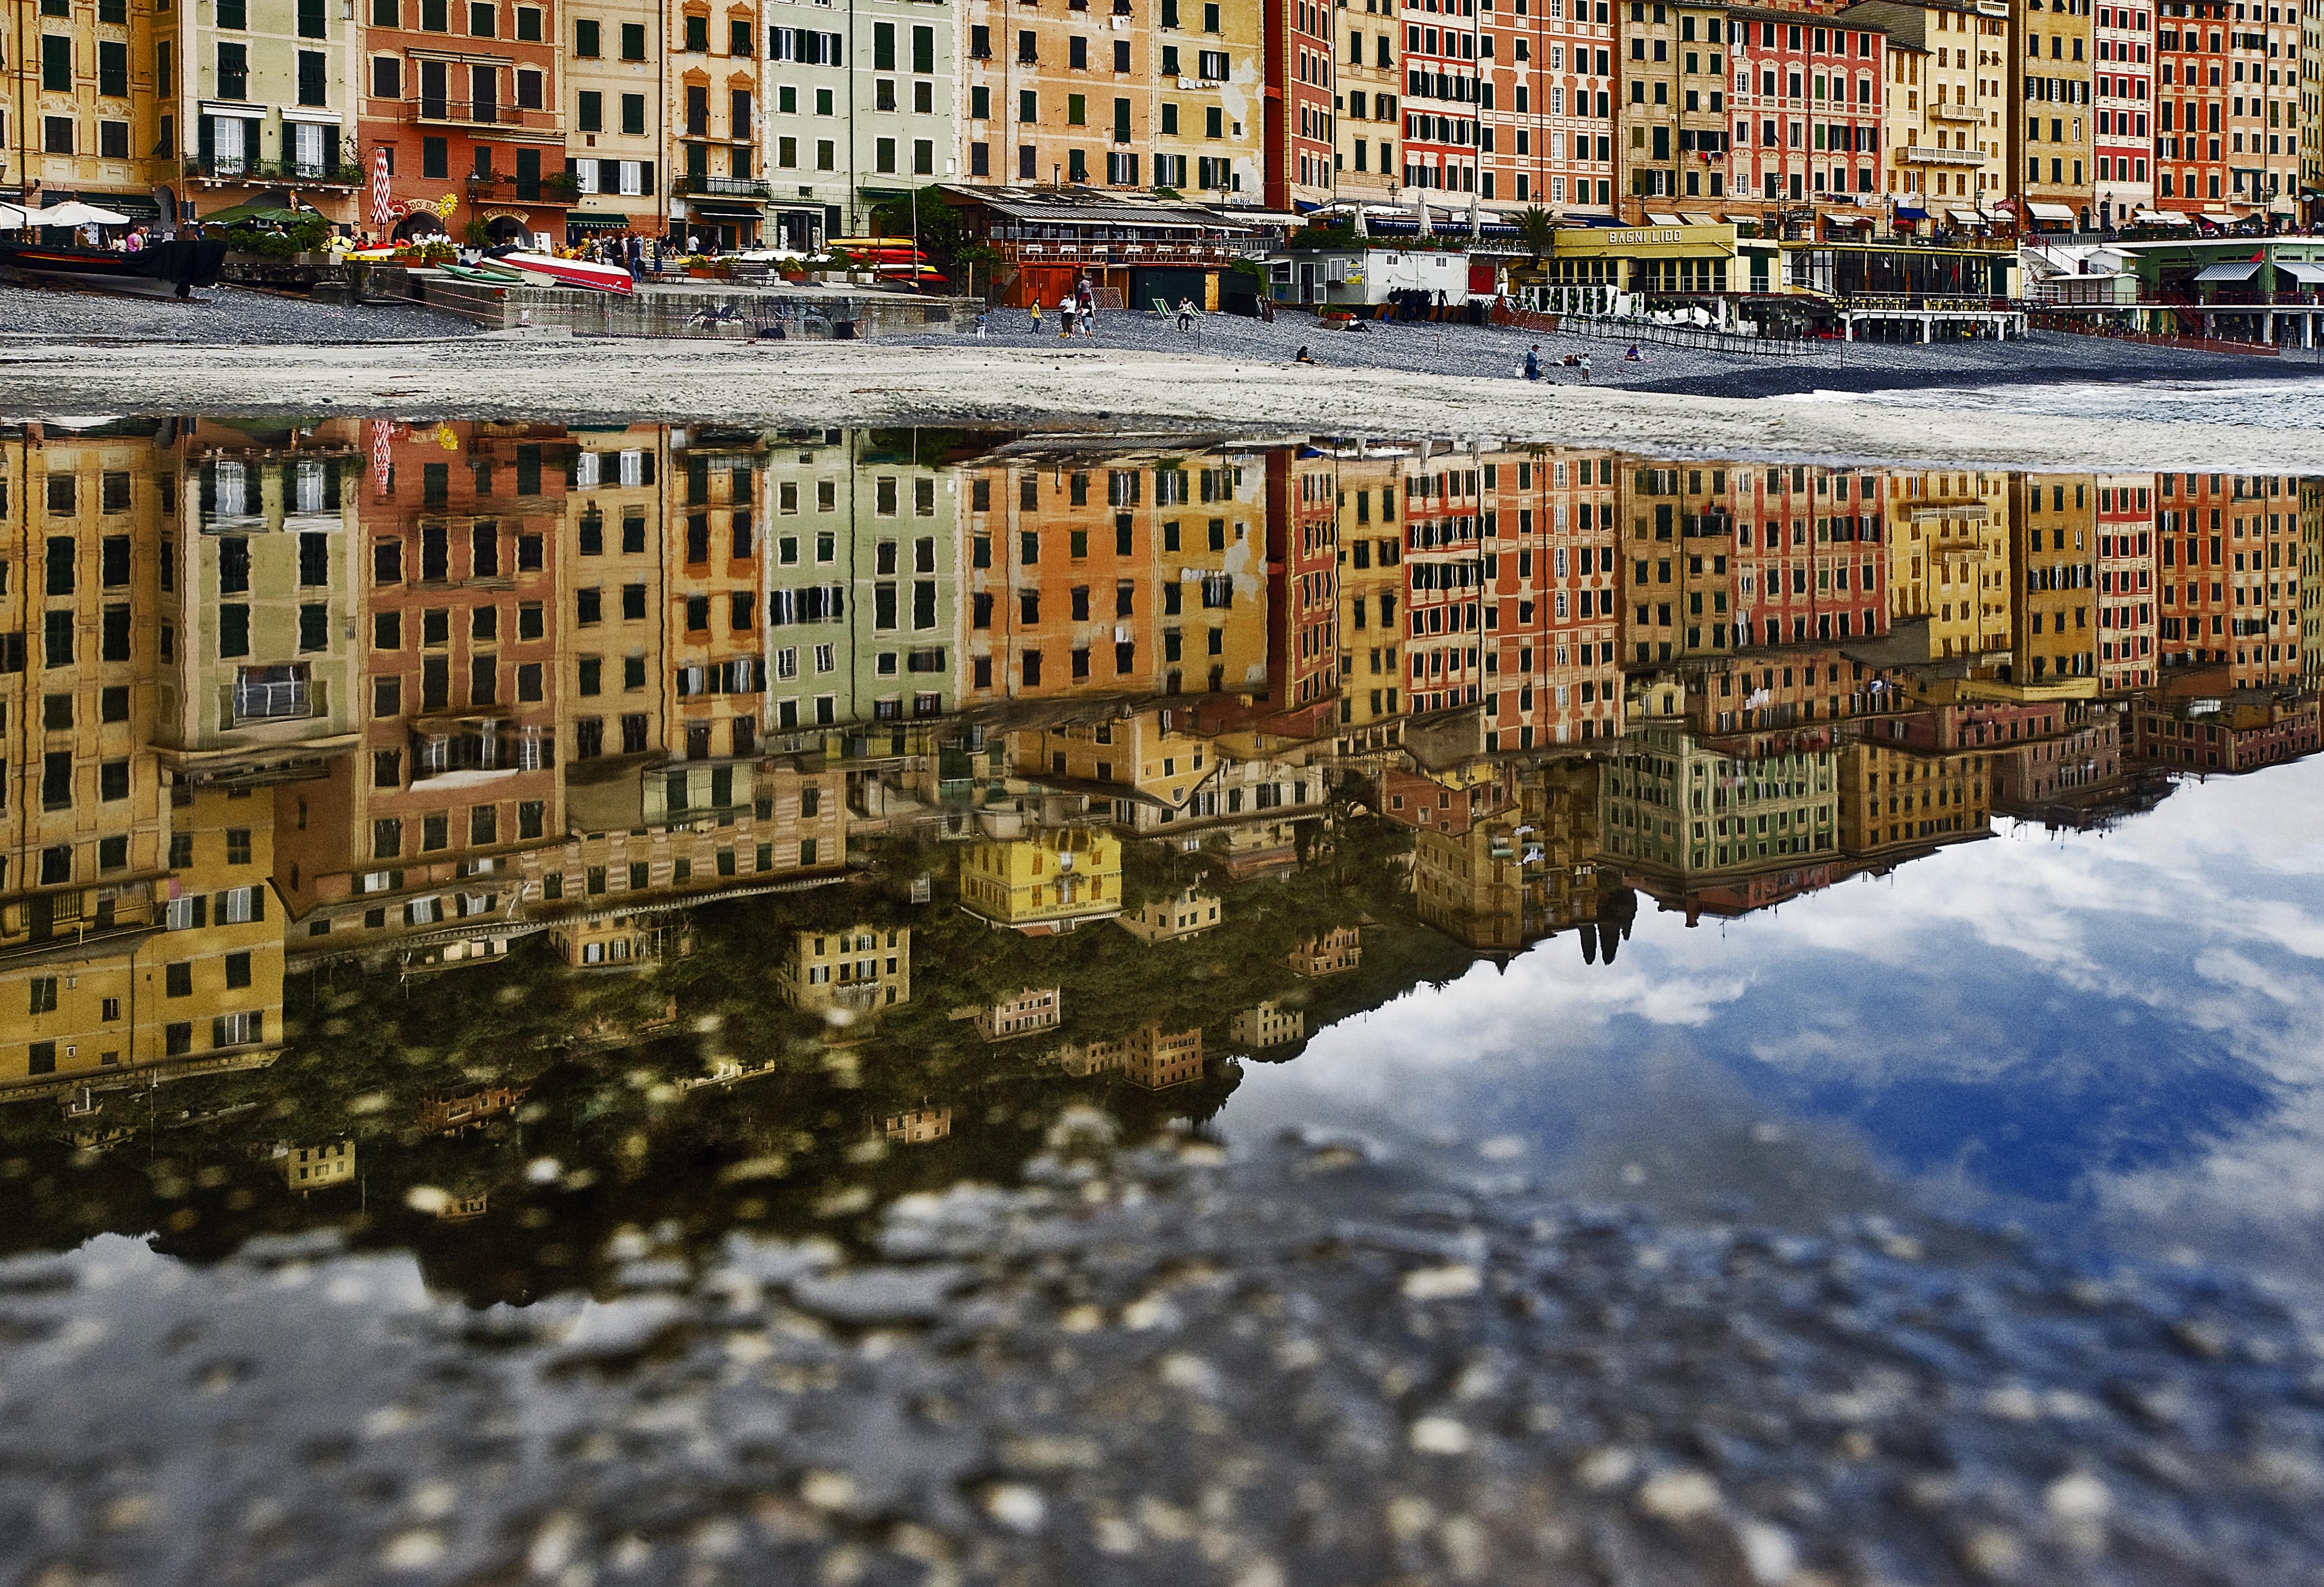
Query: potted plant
(700, 268)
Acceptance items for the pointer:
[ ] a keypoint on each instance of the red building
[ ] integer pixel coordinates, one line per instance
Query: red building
(1552, 625)
(2123, 87)
(1443, 572)
(1547, 104)
(1807, 107)
(1812, 565)
(2226, 143)
(2229, 574)
(1299, 132)
(2126, 583)
(462, 96)
(1444, 96)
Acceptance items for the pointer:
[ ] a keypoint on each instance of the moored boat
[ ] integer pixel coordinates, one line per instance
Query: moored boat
(569, 272)
(176, 265)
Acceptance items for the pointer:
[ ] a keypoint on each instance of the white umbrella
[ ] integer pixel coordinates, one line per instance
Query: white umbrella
(1476, 217)
(1427, 227)
(1361, 229)
(12, 216)
(74, 213)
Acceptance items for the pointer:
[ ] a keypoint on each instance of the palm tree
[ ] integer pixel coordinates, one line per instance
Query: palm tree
(1536, 229)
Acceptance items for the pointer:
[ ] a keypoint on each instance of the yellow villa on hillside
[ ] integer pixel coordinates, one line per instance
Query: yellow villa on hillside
(1049, 882)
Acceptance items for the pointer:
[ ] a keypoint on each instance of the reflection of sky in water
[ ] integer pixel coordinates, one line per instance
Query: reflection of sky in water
(2120, 1033)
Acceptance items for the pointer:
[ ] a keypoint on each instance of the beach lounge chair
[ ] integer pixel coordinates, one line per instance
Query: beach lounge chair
(1162, 310)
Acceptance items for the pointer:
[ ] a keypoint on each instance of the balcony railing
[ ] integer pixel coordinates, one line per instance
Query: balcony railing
(481, 113)
(723, 187)
(277, 172)
(1919, 155)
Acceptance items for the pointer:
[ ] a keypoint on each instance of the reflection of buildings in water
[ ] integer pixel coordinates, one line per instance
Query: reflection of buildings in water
(916, 1126)
(1335, 952)
(1026, 1012)
(1044, 882)
(1147, 1057)
(1173, 917)
(2200, 721)
(857, 969)
(1950, 562)
(1519, 865)
(448, 686)
(2237, 556)
(1265, 1025)
(1709, 825)
(468, 1107)
(310, 1168)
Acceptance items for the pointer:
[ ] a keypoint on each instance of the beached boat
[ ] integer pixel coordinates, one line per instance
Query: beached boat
(487, 274)
(177, 265)
(569, 273)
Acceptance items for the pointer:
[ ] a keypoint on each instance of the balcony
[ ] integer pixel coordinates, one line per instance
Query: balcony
(481, 116)
(1956, 113)
(722, 187)
(1915, 154)
(283, 173)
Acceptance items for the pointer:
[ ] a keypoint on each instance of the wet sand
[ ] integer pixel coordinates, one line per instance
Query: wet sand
(1065, 389)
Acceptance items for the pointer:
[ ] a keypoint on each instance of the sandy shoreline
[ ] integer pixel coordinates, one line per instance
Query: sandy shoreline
(966, 383)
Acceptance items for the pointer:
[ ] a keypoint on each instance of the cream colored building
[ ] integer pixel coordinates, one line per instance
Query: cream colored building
(1188, 912)
(1945, 103)
(862, 970)
(1269, 1024)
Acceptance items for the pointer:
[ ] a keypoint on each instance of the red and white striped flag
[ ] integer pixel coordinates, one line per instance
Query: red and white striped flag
(379, 199)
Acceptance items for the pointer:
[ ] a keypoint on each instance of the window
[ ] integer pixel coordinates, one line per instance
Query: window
(585, 40)
(481, 21)
(310, 20)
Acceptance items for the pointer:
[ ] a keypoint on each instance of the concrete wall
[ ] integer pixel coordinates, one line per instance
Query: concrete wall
(651, 313)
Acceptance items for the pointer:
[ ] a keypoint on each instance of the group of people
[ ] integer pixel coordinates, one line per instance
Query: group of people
(1076, 312)
(1533, 369)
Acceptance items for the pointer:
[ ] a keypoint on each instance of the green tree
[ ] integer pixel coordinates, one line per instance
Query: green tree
(1536, 229)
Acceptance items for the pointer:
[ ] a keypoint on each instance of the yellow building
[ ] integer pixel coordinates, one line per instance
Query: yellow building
(1949, 560)
(1673, 77)
(1144, 763)
(1164, 96)
(861, 970)
(1188, 912)
(1894, 799)
(81, 103)
(612, 941)
(261, 97)
(916, 1126)
(189, 984)
(1942, 104)
(1047, 882)
(1269, 1024)
(307, 1168)
(2050, 162)
(1370, 499)
(615, 117)
(2054, 588)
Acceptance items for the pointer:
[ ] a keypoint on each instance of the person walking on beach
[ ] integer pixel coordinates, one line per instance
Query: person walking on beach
(1037, 316)
(1532, 361)
(1585, 369)
(1065, 317)
(1186, 314)
(1088, 306)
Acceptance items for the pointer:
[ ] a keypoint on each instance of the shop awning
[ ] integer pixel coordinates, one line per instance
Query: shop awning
(2050, 212)
(1697, 220)
(1966, 216)
(2218, 217)
(1848, 220)
(1908, 212)
(2243, 270)
(141, 208)
(2161, 218)
(1661, 219)
(2306, 273)
(582, 221)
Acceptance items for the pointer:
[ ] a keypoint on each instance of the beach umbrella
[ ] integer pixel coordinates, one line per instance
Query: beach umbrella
(1476, 217)
(1427, 227)
(74, 213)
(1361, 229)
(12, 216)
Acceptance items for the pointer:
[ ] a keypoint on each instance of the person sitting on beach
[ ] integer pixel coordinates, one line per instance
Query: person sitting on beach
(1305, 357)
(1633, 355)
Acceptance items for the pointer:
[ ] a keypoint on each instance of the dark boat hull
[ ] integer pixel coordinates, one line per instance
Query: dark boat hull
(181, 264)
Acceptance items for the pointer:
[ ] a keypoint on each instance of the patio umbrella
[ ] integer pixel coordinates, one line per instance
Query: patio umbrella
(1476, 217)
(1427, 227)
(1361, 229)
(74, 213)
(12, 216)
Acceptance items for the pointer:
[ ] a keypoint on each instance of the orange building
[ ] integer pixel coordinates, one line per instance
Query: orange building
(462, 96)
